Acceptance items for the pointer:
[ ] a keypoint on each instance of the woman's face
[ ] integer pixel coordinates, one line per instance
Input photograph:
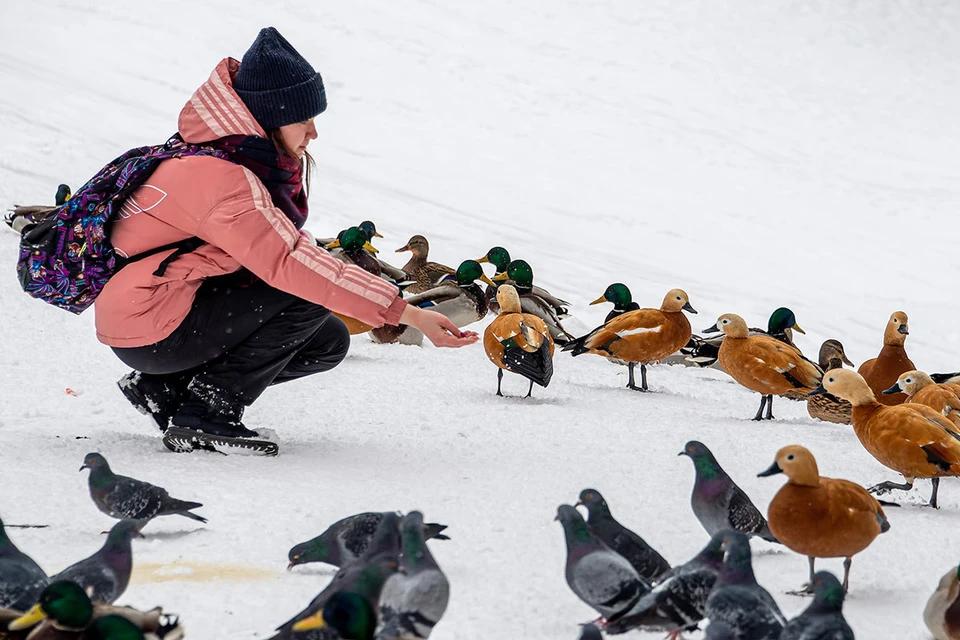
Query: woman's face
(297, 136)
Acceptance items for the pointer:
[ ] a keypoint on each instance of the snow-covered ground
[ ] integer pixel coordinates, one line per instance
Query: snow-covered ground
(799, 153)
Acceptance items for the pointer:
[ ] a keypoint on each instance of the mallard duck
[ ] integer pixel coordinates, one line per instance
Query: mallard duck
(763, 364)
(912, 439)
(425, 274)
(821, 517)
(534, 300)
(640, 337)
(369, 230)
(825, 406)
(500, 258)
(458, 297)
(942, 613)
(704, 352)
(883, 371)
(518, 342)
(921, 389)
(619, 294)
(21, 216)
(64, 611)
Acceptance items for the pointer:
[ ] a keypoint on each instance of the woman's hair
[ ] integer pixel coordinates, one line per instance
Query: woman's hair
(307, 163)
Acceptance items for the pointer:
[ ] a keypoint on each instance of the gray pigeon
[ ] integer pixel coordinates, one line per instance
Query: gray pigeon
(353, 594)
(122, 497)
(415, 598)
(21, 579)
(738, 601)
(719, 631)
(717, 501)
(823, 619)
(590, 632)
(106, 573)
(679, 597)
(644, 558)
(346, 540)
(600, 576)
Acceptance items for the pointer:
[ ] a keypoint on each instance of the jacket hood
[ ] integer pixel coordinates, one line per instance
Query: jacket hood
(215, 110)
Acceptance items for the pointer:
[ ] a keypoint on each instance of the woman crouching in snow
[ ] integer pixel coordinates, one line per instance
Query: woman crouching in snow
(209, 326)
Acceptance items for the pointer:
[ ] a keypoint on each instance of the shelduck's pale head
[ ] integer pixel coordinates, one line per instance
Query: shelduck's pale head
(848, 385)
(677, 300)
(508, 299)
(797, 463)
(910, 382)
(896, 331)
(732, 326)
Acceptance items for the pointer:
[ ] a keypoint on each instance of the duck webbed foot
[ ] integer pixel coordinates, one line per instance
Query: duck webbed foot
(631, 384)
(886, 487)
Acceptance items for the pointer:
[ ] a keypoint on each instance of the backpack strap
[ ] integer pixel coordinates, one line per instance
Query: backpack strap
(181, 248)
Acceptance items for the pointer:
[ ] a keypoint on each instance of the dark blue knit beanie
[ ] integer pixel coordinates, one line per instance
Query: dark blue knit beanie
(277, 84)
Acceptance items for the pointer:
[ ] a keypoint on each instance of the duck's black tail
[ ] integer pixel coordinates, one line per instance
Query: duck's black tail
(536, 366)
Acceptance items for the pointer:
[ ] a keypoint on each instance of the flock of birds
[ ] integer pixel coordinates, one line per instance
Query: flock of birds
(390, 587)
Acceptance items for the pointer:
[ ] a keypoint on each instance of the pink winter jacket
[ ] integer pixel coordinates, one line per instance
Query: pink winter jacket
(226, 206)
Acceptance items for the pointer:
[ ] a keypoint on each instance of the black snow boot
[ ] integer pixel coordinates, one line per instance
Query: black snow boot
(211, 410)
(154, 396)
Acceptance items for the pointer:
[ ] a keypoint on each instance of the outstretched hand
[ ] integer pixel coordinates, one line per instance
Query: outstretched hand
(437, 328)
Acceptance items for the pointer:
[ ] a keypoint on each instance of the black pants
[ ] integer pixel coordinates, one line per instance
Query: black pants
(241, 336)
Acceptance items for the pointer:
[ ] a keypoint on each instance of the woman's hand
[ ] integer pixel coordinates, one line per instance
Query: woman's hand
(437, 327)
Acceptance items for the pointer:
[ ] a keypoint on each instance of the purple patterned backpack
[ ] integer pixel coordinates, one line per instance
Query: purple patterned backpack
(67, 258)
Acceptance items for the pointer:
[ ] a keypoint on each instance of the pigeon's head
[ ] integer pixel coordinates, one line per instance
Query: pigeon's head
(719, 630)
(94, 461)
(316, 550)
(411, 538)
(62, 601)
(125, 530)
(703, 461)
(736, 550)
(827, 590)
(593, 501)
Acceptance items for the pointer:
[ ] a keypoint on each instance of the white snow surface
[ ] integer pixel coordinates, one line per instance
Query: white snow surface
(798, 153)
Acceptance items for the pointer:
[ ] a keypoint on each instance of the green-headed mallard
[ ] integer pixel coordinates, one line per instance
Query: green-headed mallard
(21, 216)
(425, 274)
(619, 294)
(640, 337)
(369, 230)
(518, 342)
(535, 300)
(458, 297)
(64, 612)
(825, 406)
(704, 351)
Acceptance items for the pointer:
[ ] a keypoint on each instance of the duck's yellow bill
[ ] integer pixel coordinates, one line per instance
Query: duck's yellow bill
(29, 619)
(333, 245)
(599, 300)
(370, 248)
(797, 328)
(487, 280)
(315, 621)
(501, 277)
(483, 260)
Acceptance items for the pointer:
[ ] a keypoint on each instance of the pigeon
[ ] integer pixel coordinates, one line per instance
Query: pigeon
(644, 558)
(590, 632)
(600, 576)
(105, 574)
(738, 601)
(122, 497)
(823, 619)
(719, 631)
(415, 598)
(679, 597)
(21, 579)
(346, 540)
(347, 607)
(717, 501)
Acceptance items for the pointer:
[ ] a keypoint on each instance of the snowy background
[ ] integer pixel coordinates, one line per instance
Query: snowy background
(755, 154)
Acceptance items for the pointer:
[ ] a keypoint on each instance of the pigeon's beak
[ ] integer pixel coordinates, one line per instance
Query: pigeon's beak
(315, 621)
(819, 391)
(688, 307)
(894, 389)
(772, 470)
(556, 517)
(84, 467)
(600, 300)
(29, 619)
(682, 453)
(578, 503)
(713, 329)
(291, 565)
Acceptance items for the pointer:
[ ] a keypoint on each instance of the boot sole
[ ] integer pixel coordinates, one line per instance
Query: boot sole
(184, 440)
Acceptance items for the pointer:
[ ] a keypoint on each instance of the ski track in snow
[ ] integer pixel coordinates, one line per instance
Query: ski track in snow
(797, 153)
